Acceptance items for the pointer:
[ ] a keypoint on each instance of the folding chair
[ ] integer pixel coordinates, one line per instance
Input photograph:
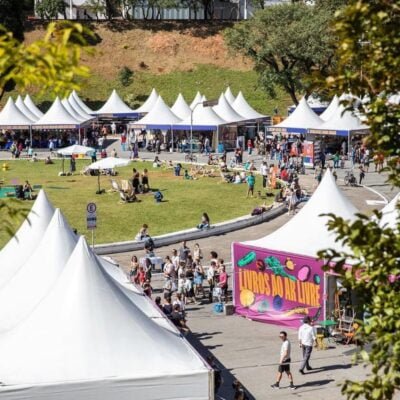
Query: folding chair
(125, 198)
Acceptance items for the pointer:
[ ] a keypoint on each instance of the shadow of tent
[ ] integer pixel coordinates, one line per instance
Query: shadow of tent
(225, 391)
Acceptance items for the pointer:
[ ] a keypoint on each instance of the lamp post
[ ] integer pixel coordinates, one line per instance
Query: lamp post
(207, 103)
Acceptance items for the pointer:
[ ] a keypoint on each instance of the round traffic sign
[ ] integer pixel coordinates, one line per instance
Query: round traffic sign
(91, 208)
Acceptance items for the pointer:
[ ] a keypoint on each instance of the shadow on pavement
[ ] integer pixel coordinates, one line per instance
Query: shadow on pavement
(225, 391)
(321, 382)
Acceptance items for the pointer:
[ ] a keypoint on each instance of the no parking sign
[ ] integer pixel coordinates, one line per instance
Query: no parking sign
(91, 216)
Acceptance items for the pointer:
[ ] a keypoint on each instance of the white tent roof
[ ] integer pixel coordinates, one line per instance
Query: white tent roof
(81, 104)
(12, 117)
(32, 107)
(149, 103)
(75, 149)
(230, 98)
(225, 110)
(203, 118)
(331, 110)
(197, 99)
(77, 108)
(159, 117)
(114, 106)
(71, 110)
(342, 120)
(110, 163)
(390, 213)
(18, 250)
(303, 117)
(242, 107)
(181, 108)
(306, 233)
(92, 342)
(57, 117)
(36, 277)
(24, 109)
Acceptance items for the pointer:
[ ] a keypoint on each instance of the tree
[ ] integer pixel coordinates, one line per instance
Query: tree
(288, 44)
(50, 65)
(49, 9)
(368, 64)
(11, 17)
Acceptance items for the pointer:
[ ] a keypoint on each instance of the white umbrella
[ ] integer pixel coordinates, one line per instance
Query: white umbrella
(74, 149)
(108, 163)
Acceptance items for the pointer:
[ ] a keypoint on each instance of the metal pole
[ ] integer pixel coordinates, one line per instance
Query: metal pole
(30, 134)
(92, 238)
(191, 130)
(70, 9)
(79, 134)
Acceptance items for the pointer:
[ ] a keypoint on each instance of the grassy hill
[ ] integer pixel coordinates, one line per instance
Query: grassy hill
(172, 57)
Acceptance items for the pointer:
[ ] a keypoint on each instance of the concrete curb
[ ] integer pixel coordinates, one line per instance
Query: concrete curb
(193, 234)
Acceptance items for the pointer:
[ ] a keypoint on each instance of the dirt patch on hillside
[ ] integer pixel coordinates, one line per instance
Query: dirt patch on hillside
(156, 48)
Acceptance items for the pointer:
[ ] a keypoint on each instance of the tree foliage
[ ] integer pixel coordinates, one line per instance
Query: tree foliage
(11, 17)
(49, 9)
(368, 64)
(49, 65)
(288, 43)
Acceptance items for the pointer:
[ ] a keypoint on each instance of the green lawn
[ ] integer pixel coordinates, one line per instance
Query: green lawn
(185, 200)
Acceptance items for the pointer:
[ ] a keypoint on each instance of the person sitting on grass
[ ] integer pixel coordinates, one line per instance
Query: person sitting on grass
(27, 189)
(158, 196)
(205, 222)
(48, 161)
(186, 175)
(237, 178)
(156, 163)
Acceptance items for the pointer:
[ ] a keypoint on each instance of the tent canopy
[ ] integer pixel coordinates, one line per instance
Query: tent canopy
(11, 117)
(225, 110)
(18, 250)
(72, 111)
(24, 109)
(341, 123)
(81, 104)
(197, 99)
(57, 117)
(299, 121)
(203, 119)
(230, 98)
(82, 333)
(75, 149)
(149, 103)
(110, 163)
(181, 108)
(159, 117)
(242, 107)
(331, 110)
(391, 213)
(77, 108)
(32, 107)
(115, 107)
(306, 233)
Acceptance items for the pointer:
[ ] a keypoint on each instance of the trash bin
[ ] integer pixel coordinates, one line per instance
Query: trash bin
(221, 148)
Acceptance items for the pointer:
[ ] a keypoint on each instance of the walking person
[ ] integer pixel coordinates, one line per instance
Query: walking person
(251, 180)
(284, 362)
(362, 174)
(264, 173)
(306, 341)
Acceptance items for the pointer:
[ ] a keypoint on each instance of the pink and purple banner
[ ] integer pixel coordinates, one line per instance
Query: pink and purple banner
(276, 287)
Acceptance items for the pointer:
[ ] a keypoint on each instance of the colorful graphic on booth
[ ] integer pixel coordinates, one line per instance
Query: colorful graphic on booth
(276, 287)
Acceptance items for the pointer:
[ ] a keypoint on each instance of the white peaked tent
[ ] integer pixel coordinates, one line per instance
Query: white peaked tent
(19, 249)
(203, 98)
(81, 104)
(341, 123)
(306, 233)
(181, 108)
(242, 107)
(34, 280)
(197, 99)
(58, 117)
(24, 109)
(225, 110)
(71, 110)
(77, 108)
(230, 98)
(114, 106)
(331, 110)
(32, 107)
(75, 149)
(12, 117)
(149, 103)
(93, 343)
(159, 117)
(300, 120)
(390, 213)
(203, 118)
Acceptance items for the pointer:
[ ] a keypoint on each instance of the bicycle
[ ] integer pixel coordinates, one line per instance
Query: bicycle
(190, 158)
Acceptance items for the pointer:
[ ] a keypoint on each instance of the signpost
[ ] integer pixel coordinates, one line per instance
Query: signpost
(91, 219)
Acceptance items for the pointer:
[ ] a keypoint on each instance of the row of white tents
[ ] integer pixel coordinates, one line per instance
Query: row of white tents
(73, 327)
(335, 120)
(72, 112)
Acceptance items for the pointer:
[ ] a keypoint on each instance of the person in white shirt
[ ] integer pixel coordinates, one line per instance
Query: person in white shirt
(306, 341)
(264, 173)
(284, 362)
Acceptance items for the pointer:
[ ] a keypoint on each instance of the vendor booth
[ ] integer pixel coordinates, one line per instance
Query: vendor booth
(278, 278)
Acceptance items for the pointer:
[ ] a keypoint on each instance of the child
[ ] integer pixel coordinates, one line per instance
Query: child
(158, 196)
(186, 175)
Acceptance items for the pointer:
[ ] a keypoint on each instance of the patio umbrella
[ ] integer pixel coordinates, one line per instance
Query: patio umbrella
(74, 149)
(108, 163)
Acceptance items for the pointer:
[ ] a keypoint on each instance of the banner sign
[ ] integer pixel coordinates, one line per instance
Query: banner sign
(276, 287)
(308, 154)
(91, 216)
